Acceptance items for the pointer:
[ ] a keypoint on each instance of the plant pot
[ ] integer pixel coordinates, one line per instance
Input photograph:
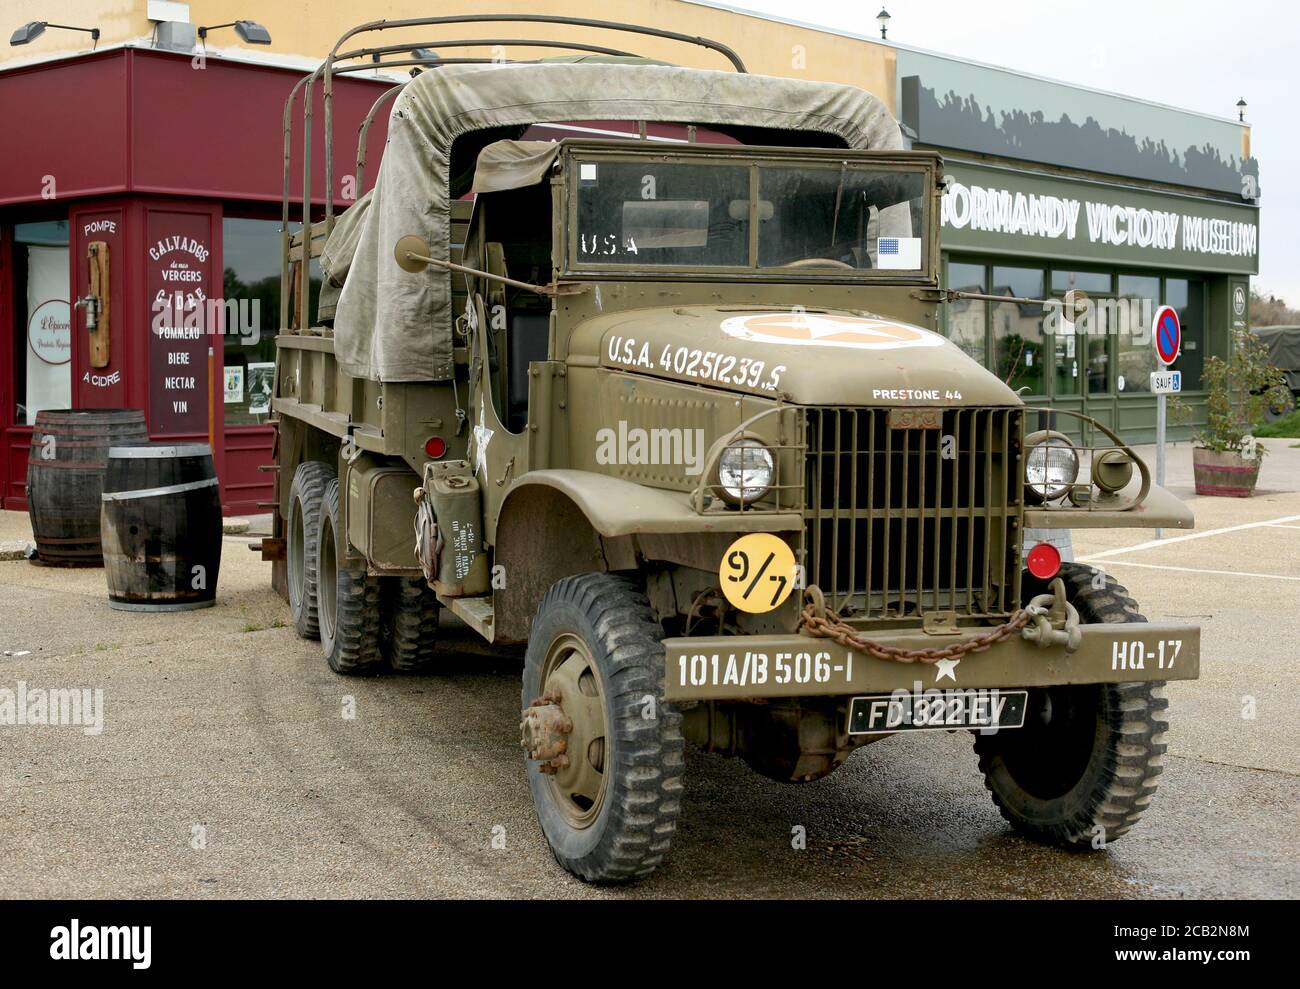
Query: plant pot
(1227, 474)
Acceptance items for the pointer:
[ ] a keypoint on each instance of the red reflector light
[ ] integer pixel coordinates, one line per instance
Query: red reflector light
(435, 447)
(1044, 561)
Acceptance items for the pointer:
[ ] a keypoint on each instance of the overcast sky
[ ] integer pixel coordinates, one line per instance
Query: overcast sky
(1193, 54)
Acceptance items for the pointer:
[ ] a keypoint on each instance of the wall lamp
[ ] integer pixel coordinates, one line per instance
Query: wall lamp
(34, 29)
(250, 32)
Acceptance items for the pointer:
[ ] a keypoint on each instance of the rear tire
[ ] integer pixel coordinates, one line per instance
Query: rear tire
(1282, 402)
(348, 600)
(410, 623)
(301, 532)
(1083, 769)
(596, 636)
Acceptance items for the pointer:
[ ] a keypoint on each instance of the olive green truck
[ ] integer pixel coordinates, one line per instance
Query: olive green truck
(637, 365)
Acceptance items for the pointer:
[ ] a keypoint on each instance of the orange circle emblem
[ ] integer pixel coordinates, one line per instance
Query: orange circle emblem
(803, 329)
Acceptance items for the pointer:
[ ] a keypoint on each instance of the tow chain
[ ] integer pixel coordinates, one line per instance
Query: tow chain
(823, 624)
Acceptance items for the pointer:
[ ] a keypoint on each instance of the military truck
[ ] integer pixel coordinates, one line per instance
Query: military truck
(663, 403)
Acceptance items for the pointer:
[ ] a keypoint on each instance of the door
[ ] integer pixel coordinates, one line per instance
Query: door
(36, 319)
(1084, 373)
(182, 307)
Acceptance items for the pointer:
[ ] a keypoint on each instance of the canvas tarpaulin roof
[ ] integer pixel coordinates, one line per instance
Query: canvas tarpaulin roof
(341, 247)
(506, 165)
(1283, 344)
(391, 325)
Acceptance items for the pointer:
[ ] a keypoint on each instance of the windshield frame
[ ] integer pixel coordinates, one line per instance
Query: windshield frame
(575, 151)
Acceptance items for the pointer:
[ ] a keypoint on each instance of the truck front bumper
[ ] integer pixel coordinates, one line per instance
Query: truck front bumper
(761, 666)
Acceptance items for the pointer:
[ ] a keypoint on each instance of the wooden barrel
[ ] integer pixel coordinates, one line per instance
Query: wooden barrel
(65, 478)
(162, 528)
(1225, 474)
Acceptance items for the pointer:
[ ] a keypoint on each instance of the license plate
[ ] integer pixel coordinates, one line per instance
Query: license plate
(936, 710)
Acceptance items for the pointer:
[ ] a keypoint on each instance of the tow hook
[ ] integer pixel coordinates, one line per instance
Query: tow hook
(544, 730)
(1054, 621)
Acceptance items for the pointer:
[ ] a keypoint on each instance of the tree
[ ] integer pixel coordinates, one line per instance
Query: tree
(1271, 311)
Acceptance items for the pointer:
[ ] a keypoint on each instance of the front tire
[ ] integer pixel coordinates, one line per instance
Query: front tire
(610, 812)
(1083, 769)
(348, 598)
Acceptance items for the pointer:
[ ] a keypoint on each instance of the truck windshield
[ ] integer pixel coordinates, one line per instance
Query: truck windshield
(821, 217)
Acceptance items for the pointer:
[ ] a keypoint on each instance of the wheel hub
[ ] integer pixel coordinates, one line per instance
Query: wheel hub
(544, 732)
(566, 730)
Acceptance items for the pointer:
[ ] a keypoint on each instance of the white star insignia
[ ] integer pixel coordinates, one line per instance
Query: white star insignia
(482, 437)
(947, 668)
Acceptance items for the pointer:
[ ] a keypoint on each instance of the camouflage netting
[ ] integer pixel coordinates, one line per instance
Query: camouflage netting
(391, 325)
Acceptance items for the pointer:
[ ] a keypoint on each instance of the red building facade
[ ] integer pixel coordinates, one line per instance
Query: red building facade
(152, 181)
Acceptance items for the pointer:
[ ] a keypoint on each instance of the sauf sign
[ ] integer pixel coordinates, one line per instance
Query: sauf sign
(986, 208)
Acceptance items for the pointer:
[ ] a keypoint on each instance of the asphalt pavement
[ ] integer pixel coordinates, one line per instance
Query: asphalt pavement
(233, 763)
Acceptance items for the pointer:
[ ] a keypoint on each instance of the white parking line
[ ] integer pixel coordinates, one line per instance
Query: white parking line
(1155, 543)
(1226, 573)
(1279, 525)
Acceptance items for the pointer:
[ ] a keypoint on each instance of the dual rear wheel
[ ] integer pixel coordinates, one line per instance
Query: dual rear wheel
(365, 623)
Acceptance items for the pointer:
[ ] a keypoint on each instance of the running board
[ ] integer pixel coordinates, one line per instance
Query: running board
(474, 612)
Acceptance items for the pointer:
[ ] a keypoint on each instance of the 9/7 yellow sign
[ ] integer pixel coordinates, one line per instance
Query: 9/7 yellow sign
(757, 572)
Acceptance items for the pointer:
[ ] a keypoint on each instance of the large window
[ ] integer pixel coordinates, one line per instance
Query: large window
(251, 286)
(967, 318)
(1090, 341)
(42, 319)
(1139, 295)
(1092, 282)
(1019, 355)
(1106, 351)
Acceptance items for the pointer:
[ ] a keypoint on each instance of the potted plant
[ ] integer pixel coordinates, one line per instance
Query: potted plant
(1225, 456)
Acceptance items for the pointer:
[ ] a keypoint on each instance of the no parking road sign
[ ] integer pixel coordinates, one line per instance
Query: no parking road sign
(1167, 334)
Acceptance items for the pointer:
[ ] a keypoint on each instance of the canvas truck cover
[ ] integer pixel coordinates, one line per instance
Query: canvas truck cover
(506, 165)
(392, 325)
(1283, 344)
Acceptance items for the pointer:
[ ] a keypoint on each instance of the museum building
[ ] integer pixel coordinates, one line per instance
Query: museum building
(143, 181)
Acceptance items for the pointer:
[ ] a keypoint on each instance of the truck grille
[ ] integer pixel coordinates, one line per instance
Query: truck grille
(901, 522)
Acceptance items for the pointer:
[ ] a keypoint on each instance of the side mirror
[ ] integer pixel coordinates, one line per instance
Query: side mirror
(411, 253)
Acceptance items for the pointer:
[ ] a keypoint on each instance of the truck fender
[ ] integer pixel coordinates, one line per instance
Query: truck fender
(615, 507)
(556, 523)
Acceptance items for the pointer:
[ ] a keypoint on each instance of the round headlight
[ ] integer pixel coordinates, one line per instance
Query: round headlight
(1051, 467)
(745, 470)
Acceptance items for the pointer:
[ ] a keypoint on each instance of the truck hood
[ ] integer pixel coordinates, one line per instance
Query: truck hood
(821, 357)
